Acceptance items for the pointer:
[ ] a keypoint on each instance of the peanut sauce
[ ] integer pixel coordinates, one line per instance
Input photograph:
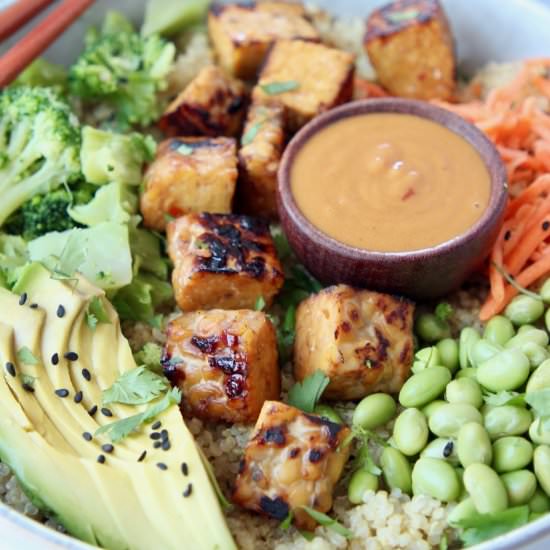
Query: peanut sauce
(390, 182)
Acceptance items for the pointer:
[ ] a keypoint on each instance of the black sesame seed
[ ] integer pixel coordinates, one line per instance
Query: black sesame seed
(101, 459)
(22, 299)
(184, 468)
(71, 356)
(60, 311)
(86, 374)
(33, 306)
(107, 448)
(156, 425)
(157, 444)
(78, 397)
(142, 456)
(106, 412)
(166, 445)
(10, 367)
(62, 392)
(154, 435)
(164, 433)
(188, 491)
(448, 449)
(162, 466)
(507, 235)
(55, 359)
(27, 387)
(87, 436)
(545, 225)
(93, 410)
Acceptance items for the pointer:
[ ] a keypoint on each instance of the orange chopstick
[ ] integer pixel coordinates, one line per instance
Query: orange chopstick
(14, 17)
(39, 38)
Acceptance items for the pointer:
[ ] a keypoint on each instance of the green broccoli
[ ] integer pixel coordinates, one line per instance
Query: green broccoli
(125, 70)
(39, 145)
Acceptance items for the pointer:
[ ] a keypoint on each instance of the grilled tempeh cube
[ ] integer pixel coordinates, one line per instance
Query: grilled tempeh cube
(321, 77)
(189, 175)
(222, 261)
(242, 33)
(410, 45)
(292, 459)
(362, 340)
(213, 104)
(262, 146)
(225, 363)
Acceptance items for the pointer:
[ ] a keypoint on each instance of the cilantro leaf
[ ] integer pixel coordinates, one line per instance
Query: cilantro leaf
(96, 313)
(150, 356)
(287, 522)
(327, 521)
(482, 527)
(275, 88)
(28, 380)
(504, 398)
(281, 243)
(251, 133)
(443, 543)
(260, 304)
(305, 395)
(123, 428)
(25, 356)
(308, 535)
(444, 310)
(135, 387)
(156, 321)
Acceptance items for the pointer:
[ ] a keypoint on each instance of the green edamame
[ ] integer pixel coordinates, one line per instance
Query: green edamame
(374, 411)
(424, 387)
(435, 478)
(326, 411)
(443, 448)
(506, 420)
(547, 319)
(539, 432)
(540, 378)
(360, 482)
(474, 445)
(485, 488)
(524, 309)
(464, 390)
(468, 337)
(541, 466)
(507, 370)
(540, 502)
(468, 372)
(396, 470)
(425, 358)
(431, 328)
(448, 353)
(483, 350)
(511, 453)
(530, 335)
(448, 419)
(498, 330)
(545, 291)
(520, 486)
(410, 432)
(463, 510)
(535, 353)
(430, 408)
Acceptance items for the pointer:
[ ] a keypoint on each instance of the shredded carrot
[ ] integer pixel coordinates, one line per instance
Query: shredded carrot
(516, 117)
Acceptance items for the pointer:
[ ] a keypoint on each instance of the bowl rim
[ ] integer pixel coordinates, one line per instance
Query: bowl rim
(487, 151)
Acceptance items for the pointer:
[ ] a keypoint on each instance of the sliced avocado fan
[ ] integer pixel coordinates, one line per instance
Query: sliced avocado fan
(54, 368)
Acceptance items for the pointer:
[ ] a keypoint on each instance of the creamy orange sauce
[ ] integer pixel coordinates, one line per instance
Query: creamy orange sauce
(390, 182)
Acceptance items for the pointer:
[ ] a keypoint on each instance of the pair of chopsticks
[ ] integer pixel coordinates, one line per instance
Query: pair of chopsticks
(40, 37)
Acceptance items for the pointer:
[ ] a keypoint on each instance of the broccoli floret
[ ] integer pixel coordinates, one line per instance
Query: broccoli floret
(39, 145)
(124, 69)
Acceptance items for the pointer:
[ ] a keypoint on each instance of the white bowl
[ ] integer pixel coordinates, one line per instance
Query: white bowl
(485, 31)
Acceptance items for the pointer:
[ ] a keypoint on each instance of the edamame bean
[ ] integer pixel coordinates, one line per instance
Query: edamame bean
(431, 328)
(498, 330)
(511, 453)
(485, 488)
(539, 432)
(443, 448)
(468, 337)
(424, 387)
(448, 353)
(541, 466)
(507, 370)
(535, 353)
(539, 502)
(360, 482)
(506, 420)
(448, 419)
(520, 486)
(540, 378)
(326, 411)
(468, 372)
(374, 411)
(483, 350)
(523, 337)
(396, 470)
(547, 319)
(430, 408)
(435, 478)
(464, 390)
(410, 432)
(524, 309)
(463, 510)
(425, 358)
(545, 291)
(474, 445)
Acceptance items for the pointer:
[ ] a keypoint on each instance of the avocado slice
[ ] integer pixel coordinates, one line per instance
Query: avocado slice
(122, 503)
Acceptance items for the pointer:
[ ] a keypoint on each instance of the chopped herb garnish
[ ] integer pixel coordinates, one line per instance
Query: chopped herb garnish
(150, 356)
(201, 245)
(443, 543)
(156, 321)
(275, 88)
(96, 313)
(308, 535)
(184, 149)
(281, 243)
(286, 333)
(305, 395)
(168, 217)
(402, 16)
(443, 311)
(504, 398)
(260, 304)
(25, 356)
(328, 522)
(224, 503)
(287, 522)
(136, 387)
(251, 133)
(28, 380)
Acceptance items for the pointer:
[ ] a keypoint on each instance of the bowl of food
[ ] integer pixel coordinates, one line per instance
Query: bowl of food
(171, 371)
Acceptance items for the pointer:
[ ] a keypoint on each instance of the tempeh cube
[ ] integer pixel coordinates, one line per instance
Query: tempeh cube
(292, 459)
(361, 340)
(223, 261)
(410, 45)
(225, 363)
(189, 175)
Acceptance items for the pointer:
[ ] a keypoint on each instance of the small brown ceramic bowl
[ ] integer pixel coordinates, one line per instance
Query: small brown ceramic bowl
(425, 273)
